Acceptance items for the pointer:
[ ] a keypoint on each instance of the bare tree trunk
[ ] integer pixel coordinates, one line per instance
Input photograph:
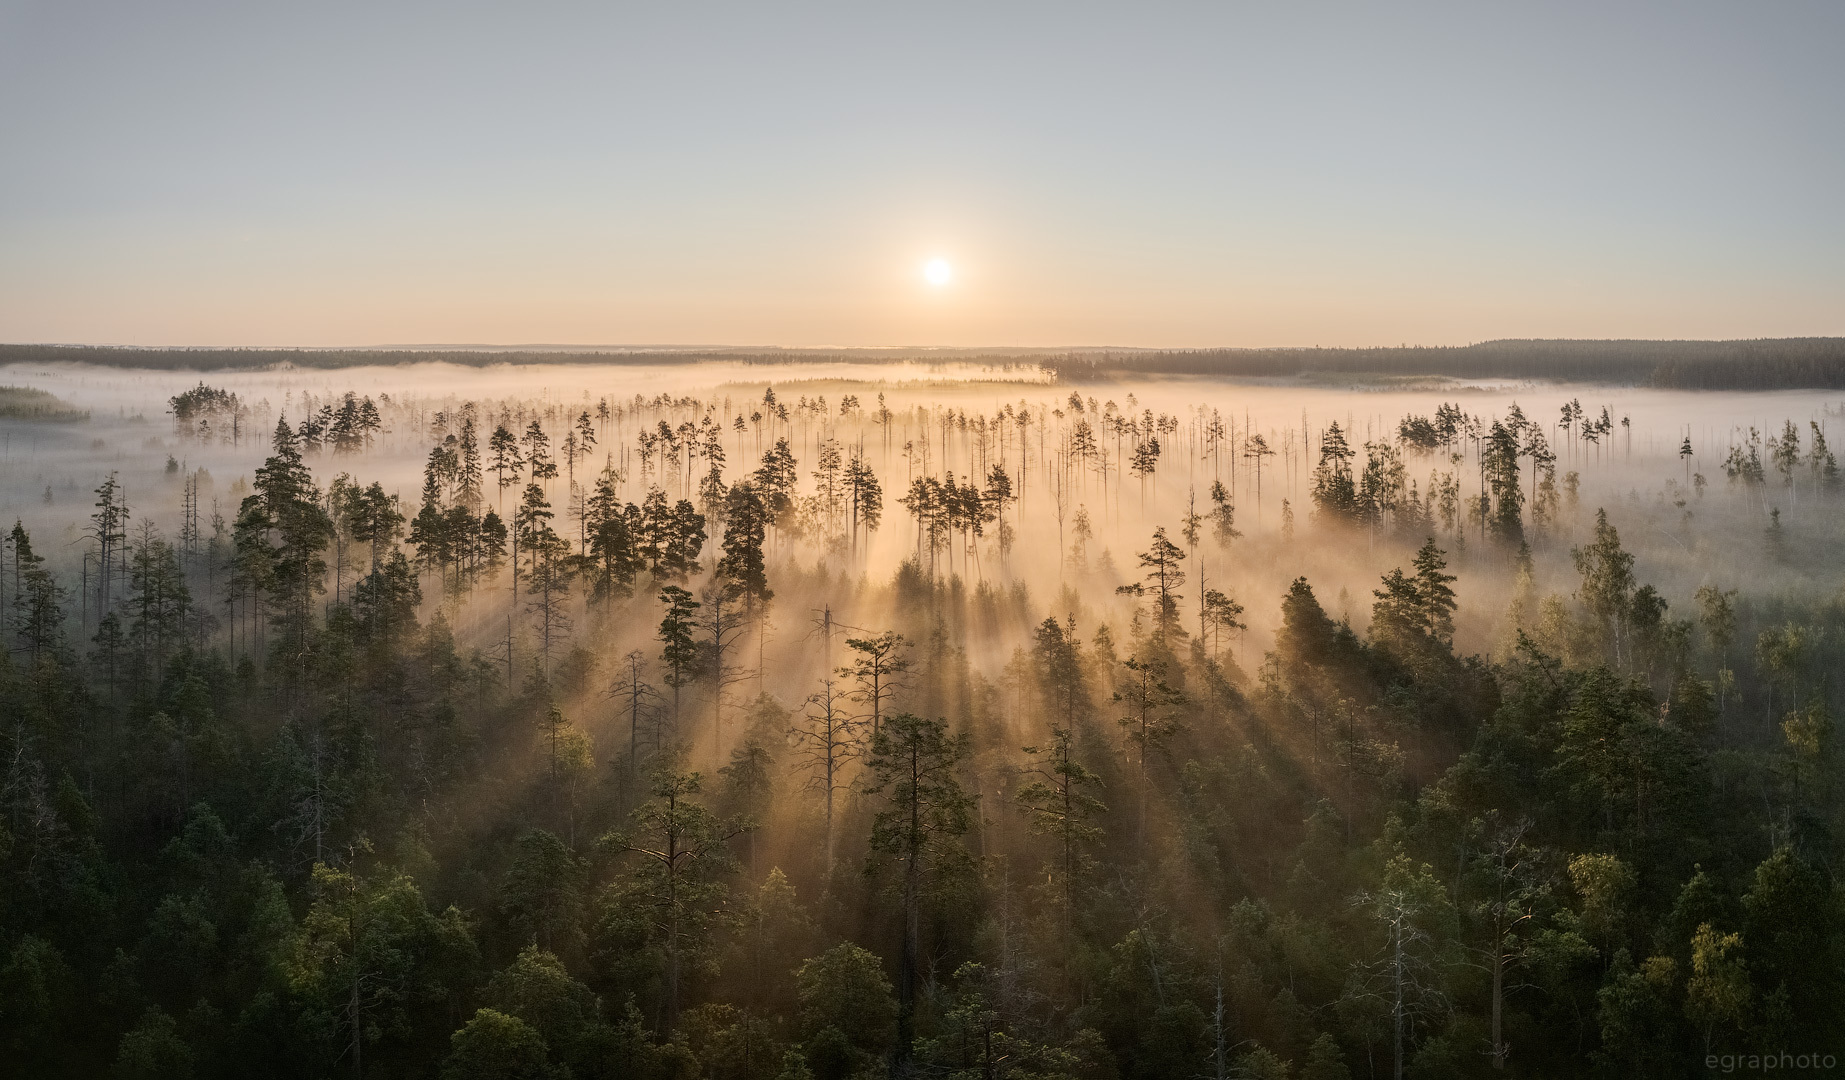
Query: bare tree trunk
(1396, 1006)
(1499, 1047)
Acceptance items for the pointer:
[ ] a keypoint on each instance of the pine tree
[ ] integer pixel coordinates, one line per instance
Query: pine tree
(158, 600)
(1149, 721)
(385, 601)
(507, 461)
(829, 485)
(612, 559)
(1255, 448)
(637, 700)
(38, 601)
(723, 624)
(864, 497)
(680, 648)
(429, 530)
(281, 531)
(914, 765)
(468, 472)
(879, 671)
(1160, 564)
(372, 518)
(1219, 613)
(674, 885)
(1607, 572)
(749, 786)
(1223, 515)
(1334, 494)
(1061, 808)
(538, 453)
(826, 739)
(1500, 462)
(532, 532)
(368, 955)
(1434, 599)
(548, 591)
(746, 520)
(109, 529)
(682, 537)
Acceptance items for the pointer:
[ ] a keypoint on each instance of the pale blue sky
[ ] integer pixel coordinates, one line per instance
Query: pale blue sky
(1132, 174)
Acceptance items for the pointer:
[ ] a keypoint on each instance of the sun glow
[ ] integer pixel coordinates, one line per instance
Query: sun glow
(937, 272)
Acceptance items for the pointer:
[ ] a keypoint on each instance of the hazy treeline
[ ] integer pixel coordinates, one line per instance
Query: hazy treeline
(1764, 364)
(27, 403)
(711, 735)
(234, 359)
(1761, 364)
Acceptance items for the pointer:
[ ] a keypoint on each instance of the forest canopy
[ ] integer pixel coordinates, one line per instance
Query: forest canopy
(757, 734)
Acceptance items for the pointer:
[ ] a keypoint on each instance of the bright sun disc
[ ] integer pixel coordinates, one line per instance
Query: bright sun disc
(937, 271)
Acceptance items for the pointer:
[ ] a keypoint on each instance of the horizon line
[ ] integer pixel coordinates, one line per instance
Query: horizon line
(613, 347)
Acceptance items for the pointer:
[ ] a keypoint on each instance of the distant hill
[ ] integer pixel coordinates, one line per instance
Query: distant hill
(1757, 364)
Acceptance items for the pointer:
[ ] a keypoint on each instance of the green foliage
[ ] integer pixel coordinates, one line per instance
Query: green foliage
(566, 1014)
(30, 403)
(914, 765)
(1060, 806)
(1325, 1061)
(677, 626)
(1335, 497)
(670, 897)
(1415, 613)
(1499, 460)
(37, 988)
(1607, 571)
(543, 893)
(495, 1046)
(613, 555)
(153, 1050)
(374, 967)
(1792, 915)
(772, 935)
(848, 1017)
(336, 834)
(1162, 577)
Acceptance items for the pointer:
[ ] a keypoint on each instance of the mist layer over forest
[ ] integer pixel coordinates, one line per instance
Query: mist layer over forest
(961, 718)
(1748, 364)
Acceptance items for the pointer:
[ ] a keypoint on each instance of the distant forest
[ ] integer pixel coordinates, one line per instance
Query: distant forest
(1760, 364)
(28, 403)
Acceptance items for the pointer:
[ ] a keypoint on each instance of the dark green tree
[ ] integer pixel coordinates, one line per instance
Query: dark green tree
(742, 567)
(495, 1046)
(1162, 577)
(280, 533)
(847, 1015)
(1335, 496)
(680, 652)
(1060, 807)
(1499, 461)
(914, 766)
(673, 888)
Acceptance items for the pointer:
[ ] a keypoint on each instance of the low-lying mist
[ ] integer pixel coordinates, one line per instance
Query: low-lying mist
(857, 720)
(952, 419)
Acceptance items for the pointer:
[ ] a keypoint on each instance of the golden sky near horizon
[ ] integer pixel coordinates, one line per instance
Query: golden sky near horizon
(213, 174)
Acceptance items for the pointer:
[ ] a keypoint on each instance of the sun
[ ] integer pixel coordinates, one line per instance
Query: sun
(937, 272)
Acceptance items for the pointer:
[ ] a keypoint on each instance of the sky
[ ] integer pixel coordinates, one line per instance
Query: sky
(1142, 174)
